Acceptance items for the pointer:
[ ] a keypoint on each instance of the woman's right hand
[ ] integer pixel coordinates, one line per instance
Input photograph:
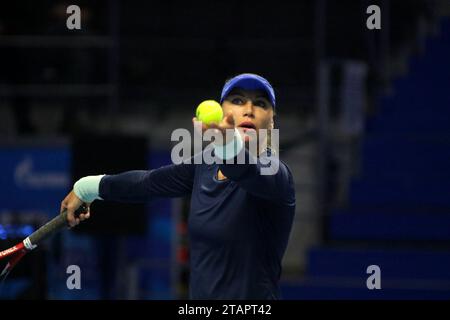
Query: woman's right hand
(71, 203)
(227, 123)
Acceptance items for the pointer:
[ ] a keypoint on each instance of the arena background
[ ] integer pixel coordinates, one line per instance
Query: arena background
(364, 126)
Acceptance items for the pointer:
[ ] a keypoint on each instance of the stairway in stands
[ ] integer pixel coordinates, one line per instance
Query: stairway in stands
(398, 215)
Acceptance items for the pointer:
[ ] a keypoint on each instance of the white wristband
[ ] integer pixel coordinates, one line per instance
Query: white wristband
(87, 188)
(231, 149)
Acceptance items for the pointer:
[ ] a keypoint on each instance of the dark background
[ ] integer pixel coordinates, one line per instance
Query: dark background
(363, 118)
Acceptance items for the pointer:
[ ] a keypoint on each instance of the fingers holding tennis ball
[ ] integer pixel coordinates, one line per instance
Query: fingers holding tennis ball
(209, 115)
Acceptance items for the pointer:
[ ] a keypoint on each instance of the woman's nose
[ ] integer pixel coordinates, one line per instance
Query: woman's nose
(248, 108)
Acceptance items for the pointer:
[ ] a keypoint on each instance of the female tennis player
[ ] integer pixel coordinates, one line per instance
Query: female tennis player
(240, 219)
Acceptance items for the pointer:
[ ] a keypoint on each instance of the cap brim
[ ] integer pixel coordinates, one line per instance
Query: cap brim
(249, 83)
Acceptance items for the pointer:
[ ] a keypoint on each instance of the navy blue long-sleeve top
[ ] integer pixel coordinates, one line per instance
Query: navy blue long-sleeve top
(238, 228)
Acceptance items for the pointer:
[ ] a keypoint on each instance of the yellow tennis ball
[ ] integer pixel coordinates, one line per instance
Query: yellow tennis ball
(209, 112)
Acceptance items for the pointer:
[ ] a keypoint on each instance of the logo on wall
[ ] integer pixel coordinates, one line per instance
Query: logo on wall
(26, 176)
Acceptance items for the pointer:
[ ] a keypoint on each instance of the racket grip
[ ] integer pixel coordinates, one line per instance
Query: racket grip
(54, 225)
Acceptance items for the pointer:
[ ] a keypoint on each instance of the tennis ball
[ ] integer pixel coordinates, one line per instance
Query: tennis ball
(209, 112)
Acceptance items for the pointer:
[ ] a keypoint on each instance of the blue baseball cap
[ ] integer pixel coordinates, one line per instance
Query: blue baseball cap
(249, 81)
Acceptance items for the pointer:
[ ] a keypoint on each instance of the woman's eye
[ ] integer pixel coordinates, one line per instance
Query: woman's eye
(237, 101)
(260, 103)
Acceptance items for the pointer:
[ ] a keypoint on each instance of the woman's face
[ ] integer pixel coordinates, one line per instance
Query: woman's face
(251, 110)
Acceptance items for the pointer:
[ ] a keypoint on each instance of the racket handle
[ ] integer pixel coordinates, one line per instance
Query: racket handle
(54, 225)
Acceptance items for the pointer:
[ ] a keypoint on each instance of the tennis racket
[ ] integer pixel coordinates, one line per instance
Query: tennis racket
(15, 253)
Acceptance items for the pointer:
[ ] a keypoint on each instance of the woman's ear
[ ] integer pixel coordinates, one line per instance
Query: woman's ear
(272, 124)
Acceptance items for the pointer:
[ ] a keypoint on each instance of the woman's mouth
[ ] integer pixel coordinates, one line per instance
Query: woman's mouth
(248, 130)
(246, 126)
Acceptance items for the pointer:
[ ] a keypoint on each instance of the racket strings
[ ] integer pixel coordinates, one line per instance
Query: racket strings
(9, 266)
(4, 275)
(5, 270)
